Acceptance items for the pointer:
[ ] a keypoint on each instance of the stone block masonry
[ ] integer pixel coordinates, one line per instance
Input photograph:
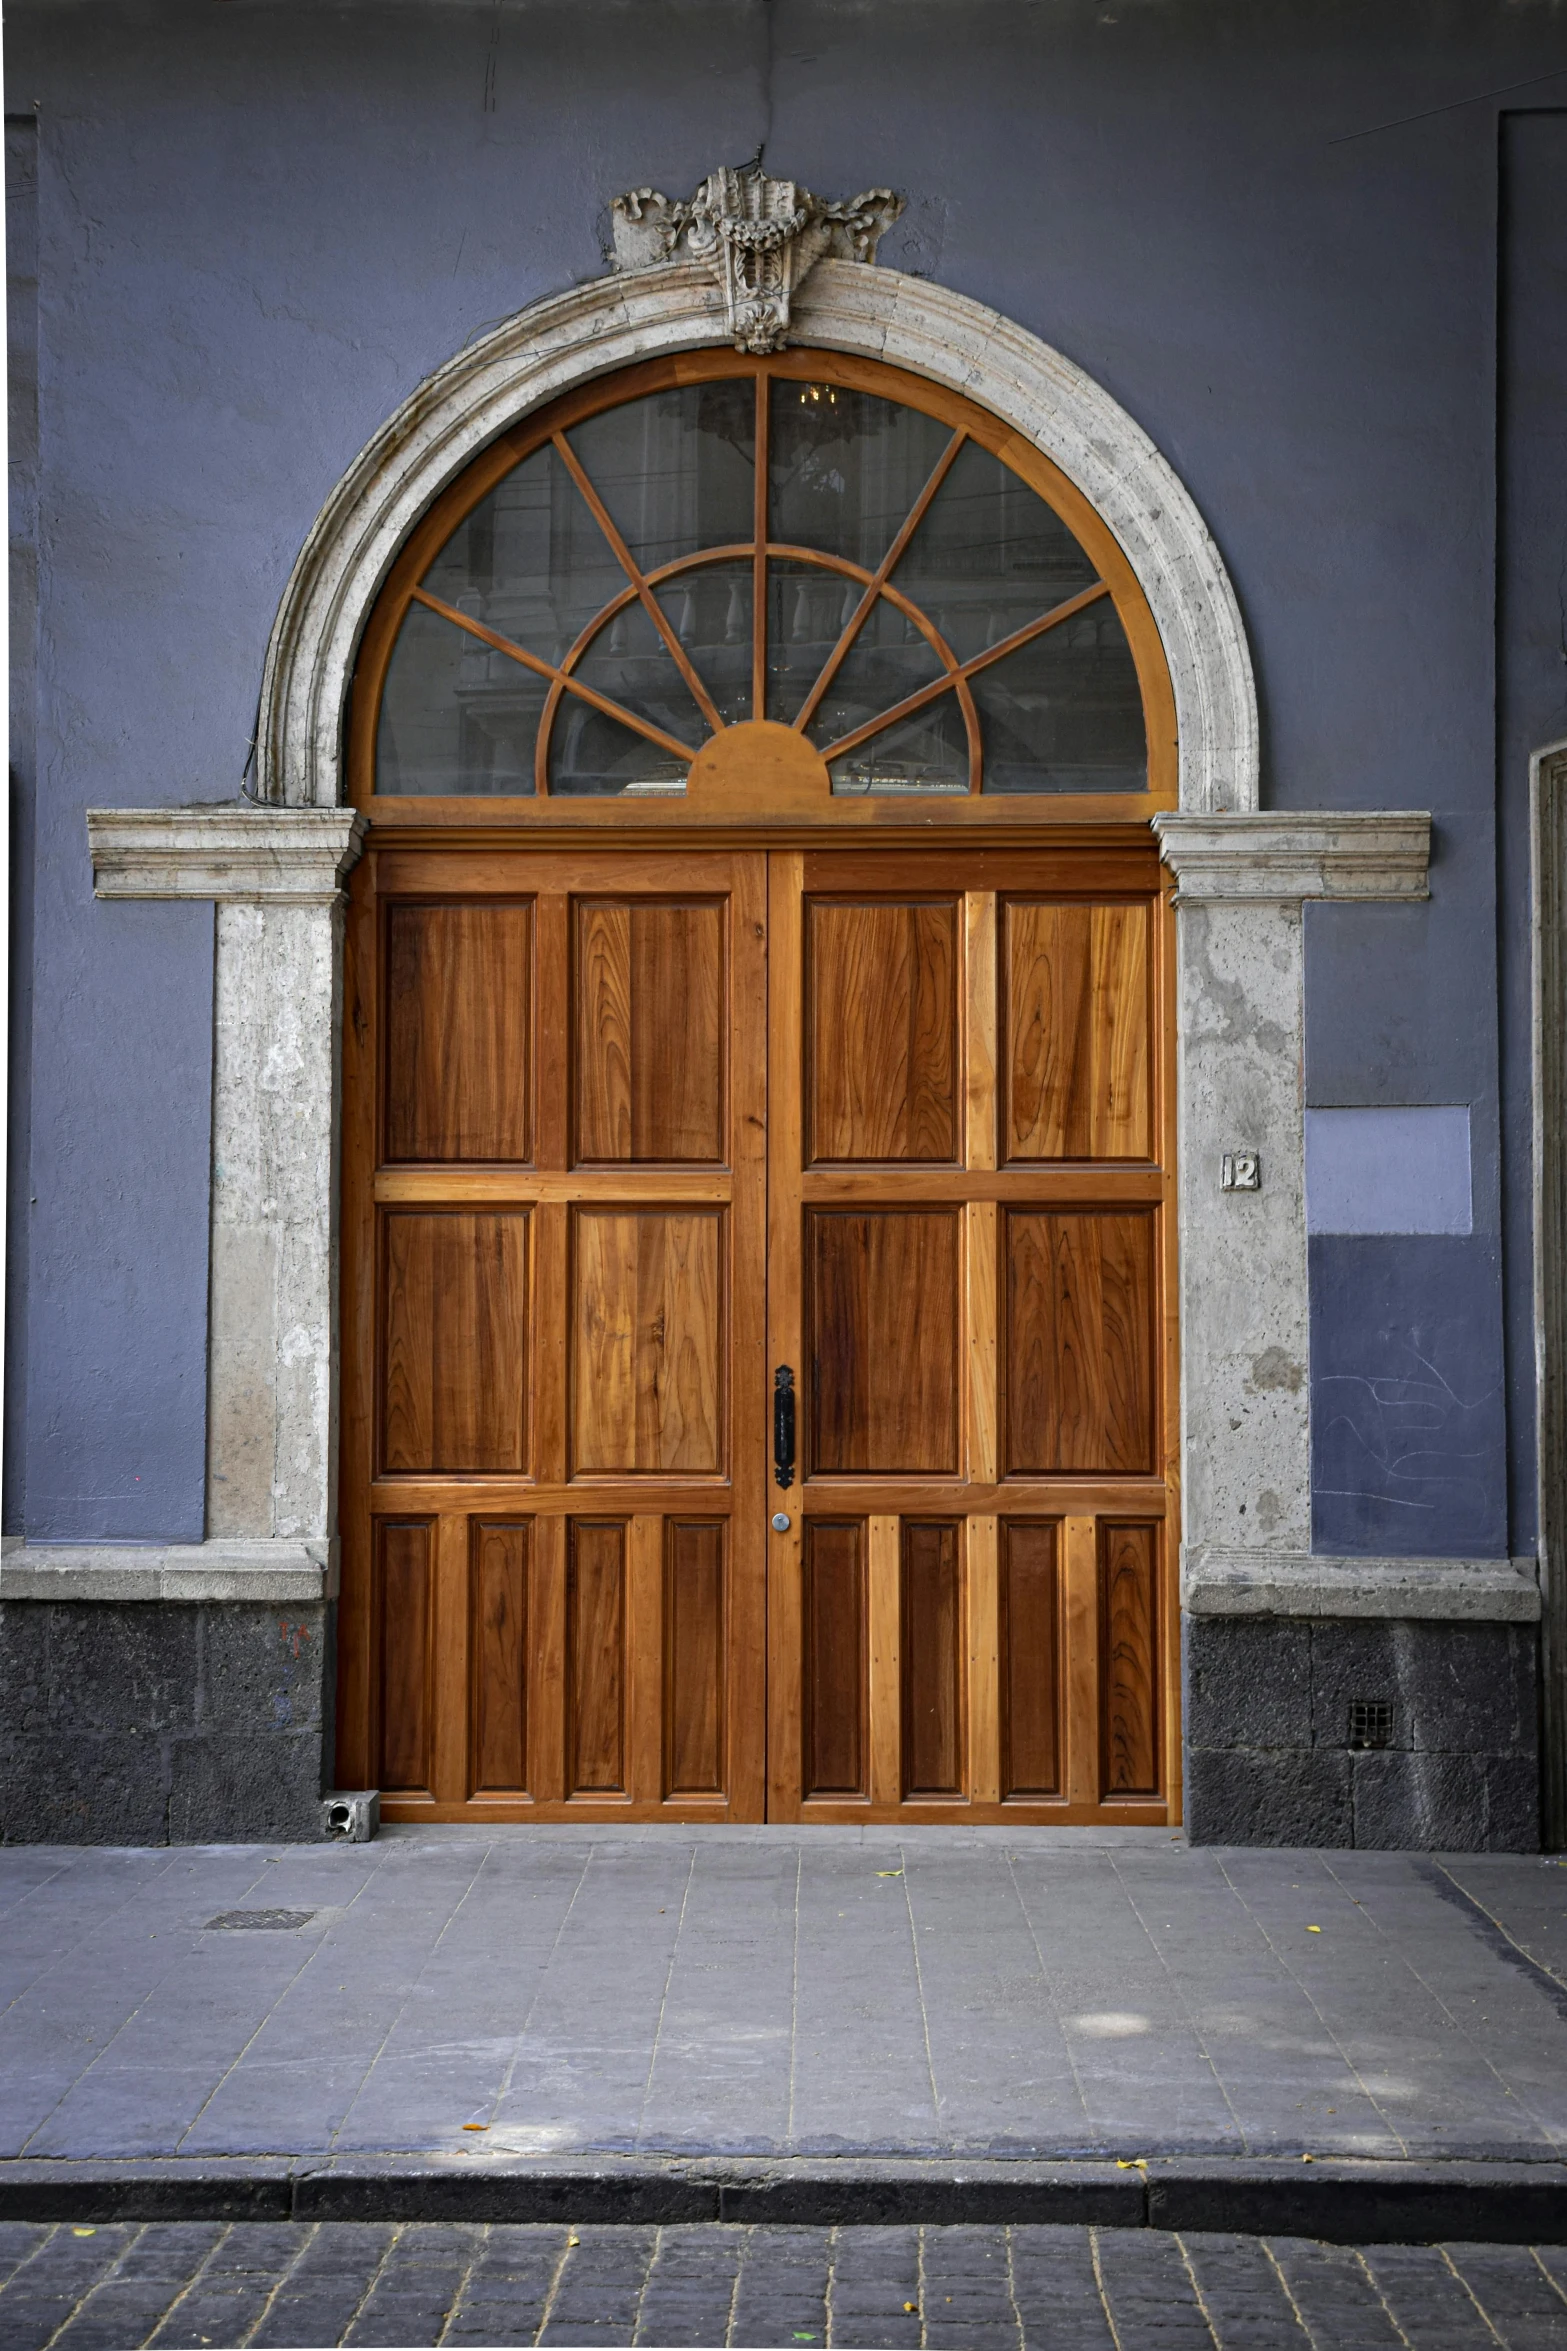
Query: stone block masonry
(1276, 1755)
(164, 1723)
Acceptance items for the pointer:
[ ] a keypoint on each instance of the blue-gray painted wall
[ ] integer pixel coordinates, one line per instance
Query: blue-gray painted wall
(1269, 227)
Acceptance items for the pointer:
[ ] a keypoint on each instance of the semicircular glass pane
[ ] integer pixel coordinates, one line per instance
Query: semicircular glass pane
(530, 561)
(456, 716)
(593, 756)
(989, 555)
(676, 470)
(887, 660)
(925, 752)
(1064, 713)
(709, 608)
(845, 468)
(629, 663)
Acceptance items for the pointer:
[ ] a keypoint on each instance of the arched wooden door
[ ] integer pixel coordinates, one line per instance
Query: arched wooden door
(759, 1381)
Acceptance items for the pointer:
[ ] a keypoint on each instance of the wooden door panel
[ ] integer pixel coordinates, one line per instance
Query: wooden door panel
(1128, 1651)
(596, 1660)
(695, 1635)
(459, 1031)
(882, 1065)
(648, 984)
(1079, 1348)
(1076, 1054)
(931, 1659)
(1029, 1607)
(498, 1569)
(647, 1341)
(835, 1726)
(454, 1341)
(404, 1614)
(884, 1292)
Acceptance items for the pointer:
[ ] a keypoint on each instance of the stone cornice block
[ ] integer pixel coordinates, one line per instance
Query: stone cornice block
(1286, 1583)
(238, 853)
(264, 1572)
(1279, 854)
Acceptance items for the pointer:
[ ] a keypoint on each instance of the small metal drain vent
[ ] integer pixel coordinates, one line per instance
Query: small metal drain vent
(276, 1921)
(1370, 1722)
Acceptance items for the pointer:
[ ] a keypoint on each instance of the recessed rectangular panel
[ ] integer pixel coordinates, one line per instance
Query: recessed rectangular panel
(498, 1654)
(648, 991)
(1129, 1659)
(647, 1340)
(596, 1671)
(693, 1657)
(883, 1290)
(882, 1031)
(459, 1019)
(454, 1313)
(1076, 1009)
(404, 1622)
(1079, 1346)
(930, 1659)
(835, 1732)
(1030, 1608)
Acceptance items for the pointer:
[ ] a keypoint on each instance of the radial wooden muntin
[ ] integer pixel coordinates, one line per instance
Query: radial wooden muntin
(968, 419)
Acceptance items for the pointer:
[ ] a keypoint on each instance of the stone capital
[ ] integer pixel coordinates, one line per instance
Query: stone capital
(233, 852)
(1279, 854)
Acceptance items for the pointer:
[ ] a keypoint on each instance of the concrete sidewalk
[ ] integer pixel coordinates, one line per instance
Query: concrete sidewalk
(775, 1996)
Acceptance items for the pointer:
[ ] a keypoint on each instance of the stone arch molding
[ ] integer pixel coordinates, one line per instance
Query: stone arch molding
(875, 313)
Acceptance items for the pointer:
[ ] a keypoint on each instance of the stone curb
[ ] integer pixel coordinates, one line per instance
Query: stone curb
(1344, 2202)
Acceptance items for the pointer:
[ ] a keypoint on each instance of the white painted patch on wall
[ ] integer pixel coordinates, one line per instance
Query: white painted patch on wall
(1378, 1170)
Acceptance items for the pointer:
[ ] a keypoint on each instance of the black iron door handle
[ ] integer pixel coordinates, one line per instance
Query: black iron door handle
(783, 1425)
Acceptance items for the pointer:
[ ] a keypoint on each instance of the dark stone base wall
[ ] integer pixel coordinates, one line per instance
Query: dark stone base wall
(1267, 1727)
(154, 1722)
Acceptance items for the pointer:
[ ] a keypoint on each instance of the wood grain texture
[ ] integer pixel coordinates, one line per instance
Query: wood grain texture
(1077, 1042)
(882, 1031)
(596, 1661)
(695, 1660)
(1079, 1539)
(931, 1659)
(648, 989)
(498, 1655)
(453, 1337)
(1080, 1346)
(980, 1039)
(1029, 1607)
(884, 1628)
(982, 1314)
(1129, 1659)
(984, 1661)
(884, 1291)
(834, 1730)
(647, 1341)
(404, 1621)
(458, 1028)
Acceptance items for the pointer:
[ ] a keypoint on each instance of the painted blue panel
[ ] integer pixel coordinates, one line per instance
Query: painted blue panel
(1388, 1170)
(1408, 1426)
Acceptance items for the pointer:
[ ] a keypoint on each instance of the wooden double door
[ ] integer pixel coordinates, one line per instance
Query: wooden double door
(627, 1135)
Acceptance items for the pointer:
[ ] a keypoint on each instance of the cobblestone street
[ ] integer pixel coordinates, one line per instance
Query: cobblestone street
(117, 2288)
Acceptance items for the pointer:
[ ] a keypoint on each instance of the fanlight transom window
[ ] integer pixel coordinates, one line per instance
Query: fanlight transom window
(595, 602)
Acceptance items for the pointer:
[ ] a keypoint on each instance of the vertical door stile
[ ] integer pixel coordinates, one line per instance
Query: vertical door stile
(547, 1663)
(1082, 1660)
(984, 1667)
(885, 1598)
(785, 1322)
(645, 1652)
(451, 1778)
(749, 1548)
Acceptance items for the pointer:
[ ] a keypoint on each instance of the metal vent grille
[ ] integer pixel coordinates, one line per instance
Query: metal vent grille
(1370, 1722)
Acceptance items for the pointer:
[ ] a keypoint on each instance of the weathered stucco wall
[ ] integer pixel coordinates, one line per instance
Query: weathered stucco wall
(1268, 229)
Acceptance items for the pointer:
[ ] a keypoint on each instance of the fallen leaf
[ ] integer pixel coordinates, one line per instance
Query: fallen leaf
(1308, 2159)
(573, 2240)
(907, 2305)
(1133, 2163)
(84, 2232)
(1313, 1930)
(891, 1873)
(475, 2126)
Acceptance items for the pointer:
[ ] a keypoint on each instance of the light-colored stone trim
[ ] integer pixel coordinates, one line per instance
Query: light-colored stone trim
(1240, 1024)
(1354, 854)
(1284, 1583)
(843, 306)
(257, 1572)
(282, 856)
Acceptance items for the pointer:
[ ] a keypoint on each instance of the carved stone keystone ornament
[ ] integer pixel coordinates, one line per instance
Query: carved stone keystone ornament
(759, 237)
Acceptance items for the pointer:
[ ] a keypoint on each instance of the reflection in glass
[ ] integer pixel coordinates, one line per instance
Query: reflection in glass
(455, 716)
(1065, 713)
(845, 468)
(989, 556)
(592, 754)
(675, 470)
(926, 752)
(709, 609)
(529, 561)
(629, 662)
